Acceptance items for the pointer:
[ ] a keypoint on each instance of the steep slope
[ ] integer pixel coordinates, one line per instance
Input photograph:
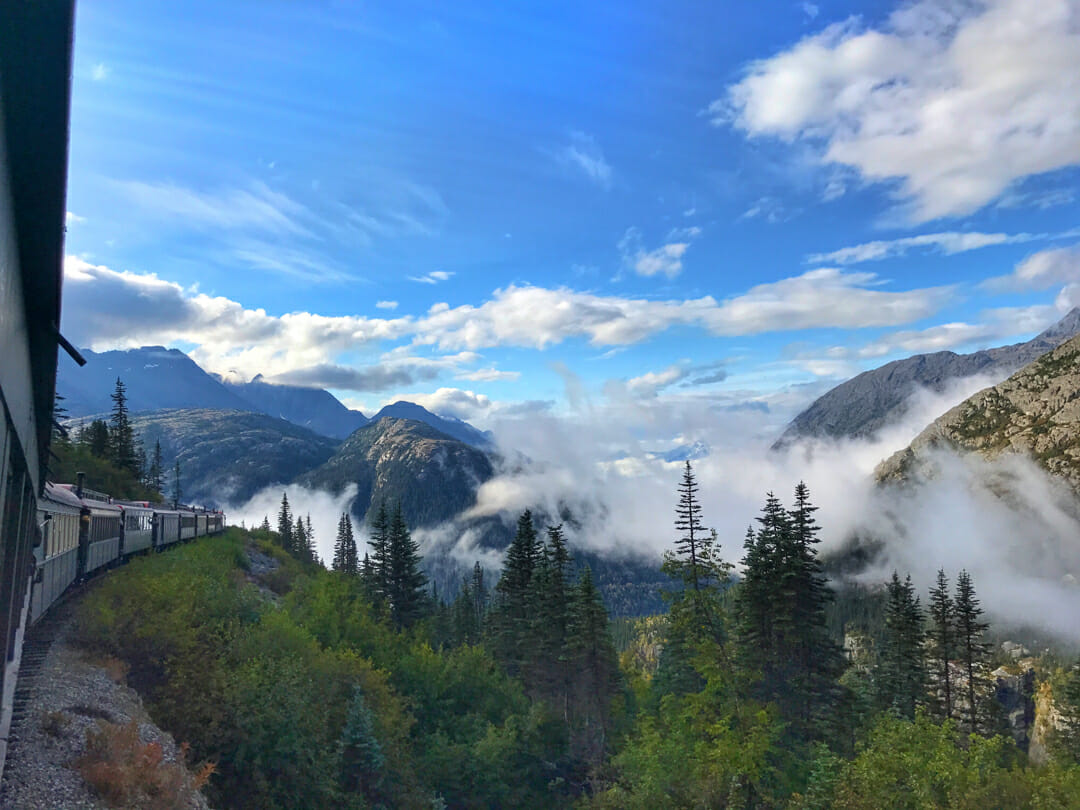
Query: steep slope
(434, 475)
(1035, 412)
(864, 404)
(312, 408)
(451, 426)
(228, 456)
(155, 378)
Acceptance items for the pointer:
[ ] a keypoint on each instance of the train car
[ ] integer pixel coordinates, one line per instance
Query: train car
(57, 555)
(215, 523)
(103, 524)
(35, 87)
(166, 527)
(137, 526)
(201, 524)
(188, 525)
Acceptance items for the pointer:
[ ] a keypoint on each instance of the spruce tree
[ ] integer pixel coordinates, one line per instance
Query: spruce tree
(595, 665)
(95, 437)
(900, 676)
(479, 594)
(156, 473)
(360, 752)
(548, 675)
(942, 646)
(972, 650)
(692, 546)
(285, 524)
(380, 554)
(178, 491)
(122, 443)
(338, 563)
(301, 549)
(265, 526)
(511, 616)
(406, 585)
(352, 566)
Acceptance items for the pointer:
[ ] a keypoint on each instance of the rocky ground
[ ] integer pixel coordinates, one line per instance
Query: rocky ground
(68, 699)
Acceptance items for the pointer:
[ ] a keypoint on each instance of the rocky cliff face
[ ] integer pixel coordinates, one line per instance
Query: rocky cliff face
(866, 403)
(433, 475)
(1035, 412)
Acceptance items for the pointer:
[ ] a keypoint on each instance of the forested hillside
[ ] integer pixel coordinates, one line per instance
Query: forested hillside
(355, 687)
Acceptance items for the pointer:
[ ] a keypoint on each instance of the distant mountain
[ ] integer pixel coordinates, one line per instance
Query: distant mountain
(451, 426)
(155, 378)
(1035, 412)
(312, 408)
(866, 403)
(433, 475)
(228, 456)
(686, 452)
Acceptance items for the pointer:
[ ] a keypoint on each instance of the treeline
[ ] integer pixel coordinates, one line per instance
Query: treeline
(754, 704)
(111, 455)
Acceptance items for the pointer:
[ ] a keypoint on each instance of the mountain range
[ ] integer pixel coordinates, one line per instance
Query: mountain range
(864, 404)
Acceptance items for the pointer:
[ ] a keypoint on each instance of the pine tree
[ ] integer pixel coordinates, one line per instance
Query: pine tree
(547, 674)
(942, 645)
(300, 548)
(155, 477)
(900, 677)
(95, 437)
(512, 614)
(122, 443)
(972, 651)
(595, 664)
(265, 527)
(285, 524)
(310, 549)
(406, 585)
(360, 752)
(339, 562)
(352, 564)
(178, 491)
(479, 594)
(380, 554)
(692, 546)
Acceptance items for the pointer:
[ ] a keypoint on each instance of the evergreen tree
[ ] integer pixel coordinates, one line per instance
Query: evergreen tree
(339, 561)
(406, 580)
(301, 550)
(380, 554)
(155, 477)
(59, 432)
(265, 527)
(479, 594)
(942, 646)
(352, 566)
(900, 677)
(466, 630)
(178, 491)
(972, 650)
(122, 444)
(310, 549)
(285, 524)
(693, 546)
(547, 674)
(95, 437)
(595, 664)
(512, 614)
(361, 756)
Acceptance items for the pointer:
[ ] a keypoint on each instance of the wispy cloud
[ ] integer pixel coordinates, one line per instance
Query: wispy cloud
(1040, 271)
(583, 155)
(71, 218)
(434, 277)
(949, 242)
(99, 72)
(386, 304)
(664, 260)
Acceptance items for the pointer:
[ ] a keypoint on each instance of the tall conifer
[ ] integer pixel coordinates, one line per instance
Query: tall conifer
(972, 650)
(942, 645)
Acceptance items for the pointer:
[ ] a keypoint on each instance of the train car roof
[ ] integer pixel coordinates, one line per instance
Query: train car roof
(60, 496)
(143, 505)
(101, 506)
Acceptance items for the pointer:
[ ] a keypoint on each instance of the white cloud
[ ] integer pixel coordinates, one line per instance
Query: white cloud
(948, 243)
(449, 402)
(99, 72)
(1041, 270)
(811, 10)
(953, 101)
(584, 155)
(664, 260)
(650, 383)
(386, 304)
(434, 277)
(488, 375)
(71, 218)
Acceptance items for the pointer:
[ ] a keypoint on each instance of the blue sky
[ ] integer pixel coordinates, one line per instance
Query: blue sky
(505, 208)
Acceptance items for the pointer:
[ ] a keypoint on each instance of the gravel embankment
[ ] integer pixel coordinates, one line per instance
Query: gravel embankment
(64, 700)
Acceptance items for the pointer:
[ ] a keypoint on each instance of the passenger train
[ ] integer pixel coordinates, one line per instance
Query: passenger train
(83, 531)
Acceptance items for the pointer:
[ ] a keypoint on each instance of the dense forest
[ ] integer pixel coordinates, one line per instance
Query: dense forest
(357, 687)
